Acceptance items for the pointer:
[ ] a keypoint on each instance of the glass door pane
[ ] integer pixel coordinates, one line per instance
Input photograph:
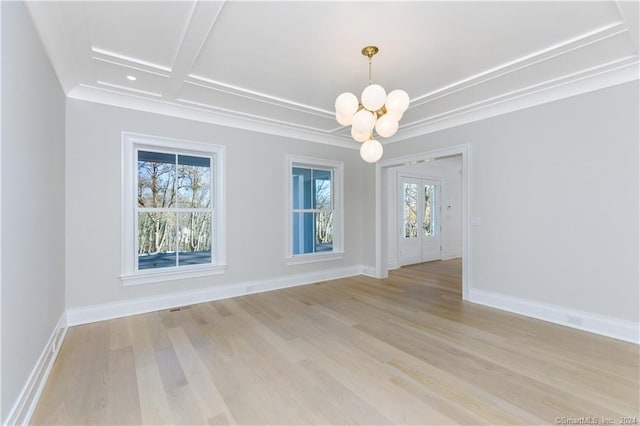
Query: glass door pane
(430, 217)
(410, 210)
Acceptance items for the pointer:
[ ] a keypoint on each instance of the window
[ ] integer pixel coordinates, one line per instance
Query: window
(315, 210)
(173, 215)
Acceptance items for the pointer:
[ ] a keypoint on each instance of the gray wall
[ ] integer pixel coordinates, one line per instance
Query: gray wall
(256, 193)
(556, 189)
(33, 108)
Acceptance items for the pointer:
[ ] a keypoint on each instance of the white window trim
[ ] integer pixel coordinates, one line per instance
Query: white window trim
(129, 276)
(338, 202)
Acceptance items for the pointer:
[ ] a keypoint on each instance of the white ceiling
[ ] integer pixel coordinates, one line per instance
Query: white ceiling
(278, 66)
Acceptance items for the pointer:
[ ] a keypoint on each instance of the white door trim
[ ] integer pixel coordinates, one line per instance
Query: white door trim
(381, 257)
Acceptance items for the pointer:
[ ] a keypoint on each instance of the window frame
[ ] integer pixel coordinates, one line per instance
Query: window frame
(337, 173)
(131, 144)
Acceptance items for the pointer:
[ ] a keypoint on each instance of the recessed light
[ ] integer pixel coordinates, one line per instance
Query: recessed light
(131, 77)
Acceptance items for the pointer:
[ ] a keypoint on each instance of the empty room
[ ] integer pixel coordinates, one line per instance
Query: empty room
(332, 212)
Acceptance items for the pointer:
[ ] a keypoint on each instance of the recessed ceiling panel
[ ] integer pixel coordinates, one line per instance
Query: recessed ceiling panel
(134, 80)
(423, 45)
(149, 32)
(280, 64)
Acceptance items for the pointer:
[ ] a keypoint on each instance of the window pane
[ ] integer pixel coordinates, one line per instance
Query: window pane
(156, 240)
(429, 224)
(322, 186)
(301, 186)
(194, 181)
(156, 179)
(303, 235)
(194, 233)
(410, 210)
(312, 232)
(324, 231)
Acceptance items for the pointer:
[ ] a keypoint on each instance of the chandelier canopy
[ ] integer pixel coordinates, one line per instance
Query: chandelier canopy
(375, 110)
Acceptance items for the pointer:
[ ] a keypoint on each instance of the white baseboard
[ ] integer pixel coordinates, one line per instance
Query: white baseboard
(628, 331)
(451, 254)
(369, 271)
(101, 312)
(24, 406)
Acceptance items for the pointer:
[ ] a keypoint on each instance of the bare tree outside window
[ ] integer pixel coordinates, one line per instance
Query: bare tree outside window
(174, 210)
(410, 210)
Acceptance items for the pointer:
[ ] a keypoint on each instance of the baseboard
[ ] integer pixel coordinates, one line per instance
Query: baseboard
(24, 406)
(392, 263)
(451, 254)
(594, 323)
(369, 271)
(106, 311)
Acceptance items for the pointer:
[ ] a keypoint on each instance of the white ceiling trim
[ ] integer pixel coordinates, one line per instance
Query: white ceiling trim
(258, 97)
(603, 56)
(545, 54)
(253, 117)
(193, 112)
(625, 71)
(127, 89)
(113, 58)
(131, 67)
(535, 88)
(194, 37)
(265, 99)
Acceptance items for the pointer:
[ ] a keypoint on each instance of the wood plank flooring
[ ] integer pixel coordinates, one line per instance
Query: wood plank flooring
(405, 350)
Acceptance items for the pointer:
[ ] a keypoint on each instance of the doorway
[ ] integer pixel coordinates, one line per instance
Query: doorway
(420, 236)
(383, 235)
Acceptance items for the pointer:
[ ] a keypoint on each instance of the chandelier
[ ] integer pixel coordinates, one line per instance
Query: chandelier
(376, 110)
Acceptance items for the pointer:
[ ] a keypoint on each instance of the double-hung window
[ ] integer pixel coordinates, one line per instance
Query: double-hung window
(173, 215)
(315, 210)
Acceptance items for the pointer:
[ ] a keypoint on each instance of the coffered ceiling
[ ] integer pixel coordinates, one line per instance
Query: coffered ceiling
(277, 67)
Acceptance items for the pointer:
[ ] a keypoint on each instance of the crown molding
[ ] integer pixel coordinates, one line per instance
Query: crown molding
(605, 55)
(552, 90)
(204, 114)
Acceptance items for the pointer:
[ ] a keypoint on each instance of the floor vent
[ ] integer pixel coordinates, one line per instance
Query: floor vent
(181, 308)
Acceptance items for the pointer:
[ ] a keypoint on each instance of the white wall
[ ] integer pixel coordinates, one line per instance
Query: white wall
(555, 188)
(256, 191)
(452, 207)
(32, 201)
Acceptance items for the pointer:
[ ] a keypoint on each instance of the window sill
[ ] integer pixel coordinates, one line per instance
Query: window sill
(175, 274)
(302, 259)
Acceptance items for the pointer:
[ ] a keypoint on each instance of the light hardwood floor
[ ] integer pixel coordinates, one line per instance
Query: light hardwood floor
(405, 350)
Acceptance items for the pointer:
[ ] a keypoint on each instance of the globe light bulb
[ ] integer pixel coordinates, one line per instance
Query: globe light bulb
(371, 151)
(359, 137)
(373, 97)
(344, 120)
(386, 126)
(397, 101)
(346, 104)
(397, 115)
(363, 121)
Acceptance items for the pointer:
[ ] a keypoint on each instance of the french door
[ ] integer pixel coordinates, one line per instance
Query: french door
(420, 237)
